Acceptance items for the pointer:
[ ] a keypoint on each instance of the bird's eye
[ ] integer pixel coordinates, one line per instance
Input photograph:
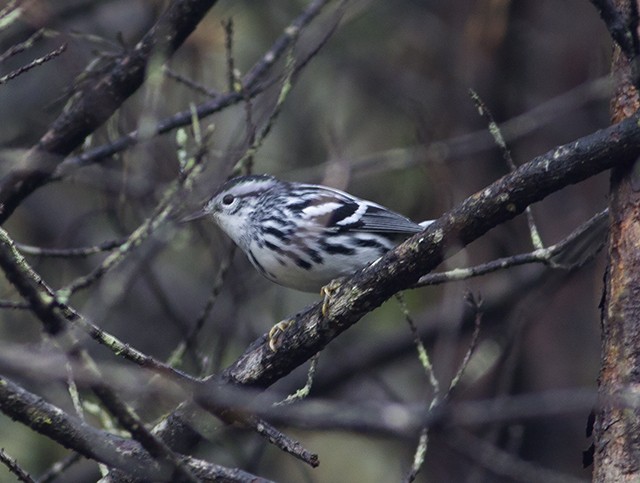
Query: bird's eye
(227, 200)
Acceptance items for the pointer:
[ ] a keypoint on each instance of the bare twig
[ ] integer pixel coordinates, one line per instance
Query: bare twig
(191, 84)
(285, 443)
(21, 46)
(71, 252)
(91, 107)
(10, 304)
(578, 248)
(476, 305)
(306, 389)
(14, 467)
(34, 63)
(59, 467)
(496, 133)
(252, 84)
(233, 84)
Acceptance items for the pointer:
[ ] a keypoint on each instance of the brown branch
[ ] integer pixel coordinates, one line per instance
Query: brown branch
(616, 450)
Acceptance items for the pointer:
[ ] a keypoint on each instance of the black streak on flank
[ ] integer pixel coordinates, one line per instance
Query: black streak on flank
(336, 249)
(371, 243)
(288, 253)
(313, 254)
(274, 248)
(260, 268)
(279, 234)
(303, 263)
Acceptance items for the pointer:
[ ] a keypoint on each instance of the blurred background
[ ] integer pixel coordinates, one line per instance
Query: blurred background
(384, 111)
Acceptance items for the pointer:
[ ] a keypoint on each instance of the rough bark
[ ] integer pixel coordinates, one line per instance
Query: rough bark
(617, 429)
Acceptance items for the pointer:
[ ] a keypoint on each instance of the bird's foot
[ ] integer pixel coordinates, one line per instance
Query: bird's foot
(276, 333)
(327, 293)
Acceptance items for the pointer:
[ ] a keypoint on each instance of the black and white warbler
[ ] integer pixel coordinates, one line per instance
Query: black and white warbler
(303, 236)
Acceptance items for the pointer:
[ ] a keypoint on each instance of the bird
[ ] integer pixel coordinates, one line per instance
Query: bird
(304, 236)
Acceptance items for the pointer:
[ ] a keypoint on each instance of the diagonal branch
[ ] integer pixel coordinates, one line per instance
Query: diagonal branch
(102, 446)
(97, 102)
(253, 83)
(402, 267)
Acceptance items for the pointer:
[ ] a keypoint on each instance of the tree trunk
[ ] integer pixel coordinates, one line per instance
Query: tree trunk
(617, 429)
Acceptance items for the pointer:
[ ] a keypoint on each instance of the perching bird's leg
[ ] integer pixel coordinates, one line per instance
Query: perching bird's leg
(276, 333)
(327, 292)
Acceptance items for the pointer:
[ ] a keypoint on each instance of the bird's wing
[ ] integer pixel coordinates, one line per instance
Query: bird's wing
(381, 220)
(340, 211)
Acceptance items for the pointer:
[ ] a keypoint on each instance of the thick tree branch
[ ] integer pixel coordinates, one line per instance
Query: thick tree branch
(98, 101)
(402, 267)
(125, 454)
(621, 27)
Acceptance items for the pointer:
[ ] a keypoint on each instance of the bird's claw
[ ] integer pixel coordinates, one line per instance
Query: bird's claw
(327, 292)
(276, 333)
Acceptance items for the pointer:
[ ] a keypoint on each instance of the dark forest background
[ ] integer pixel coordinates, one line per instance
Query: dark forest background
(382, 110)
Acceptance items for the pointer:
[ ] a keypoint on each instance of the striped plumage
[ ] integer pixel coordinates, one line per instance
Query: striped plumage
(302, 235)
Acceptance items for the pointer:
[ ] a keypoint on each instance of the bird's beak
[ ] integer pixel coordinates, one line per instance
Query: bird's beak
(194, 216)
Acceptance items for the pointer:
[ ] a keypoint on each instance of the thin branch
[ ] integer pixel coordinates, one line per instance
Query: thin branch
(191, 84)
(284, 442)
(496, 133)
(163, 210)
(252, 84)
(59, 467)
(10, 304)
(232, 78)
(423, 355)
(575, 250)
(476, 304)
(15, 468)
(34, 63)
(93, 106)
(71, 252)
(21, 46)
(302, 393)
(189, 342)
